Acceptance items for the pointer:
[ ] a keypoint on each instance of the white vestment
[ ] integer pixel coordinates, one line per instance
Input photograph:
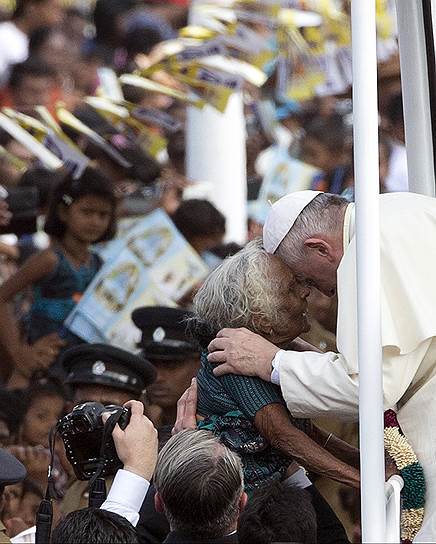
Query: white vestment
(319, 384)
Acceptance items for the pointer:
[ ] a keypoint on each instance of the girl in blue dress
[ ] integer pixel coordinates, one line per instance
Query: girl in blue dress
(81, 213)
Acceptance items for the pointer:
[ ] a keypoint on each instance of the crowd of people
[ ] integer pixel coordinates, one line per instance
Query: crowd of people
(243, 394)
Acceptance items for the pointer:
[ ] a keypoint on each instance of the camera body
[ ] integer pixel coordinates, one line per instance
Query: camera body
(83, 431)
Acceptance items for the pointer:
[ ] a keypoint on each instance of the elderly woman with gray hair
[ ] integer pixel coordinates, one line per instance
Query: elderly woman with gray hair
(256, 290)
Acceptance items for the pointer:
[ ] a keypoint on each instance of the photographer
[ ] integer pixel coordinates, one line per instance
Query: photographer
(136, 447)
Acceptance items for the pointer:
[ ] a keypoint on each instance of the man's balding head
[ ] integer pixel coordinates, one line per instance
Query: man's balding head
(199, 484)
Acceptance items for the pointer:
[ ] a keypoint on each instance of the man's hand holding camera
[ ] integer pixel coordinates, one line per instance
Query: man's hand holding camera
(137, 445)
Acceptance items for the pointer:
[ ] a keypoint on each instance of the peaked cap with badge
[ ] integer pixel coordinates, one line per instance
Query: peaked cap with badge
(12, 471)
(164, 335)
(101, 364)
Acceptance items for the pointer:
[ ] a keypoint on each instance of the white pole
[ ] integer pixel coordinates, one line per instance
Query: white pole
(416, 100)
(365, 115)
(216, 153)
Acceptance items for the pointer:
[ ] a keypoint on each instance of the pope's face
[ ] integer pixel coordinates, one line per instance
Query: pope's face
(319, 266)
(318, 273)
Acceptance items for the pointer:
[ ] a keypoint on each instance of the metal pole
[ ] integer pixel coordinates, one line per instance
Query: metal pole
(216, 153)
(365, 115)
(419, 102)
(393, 489)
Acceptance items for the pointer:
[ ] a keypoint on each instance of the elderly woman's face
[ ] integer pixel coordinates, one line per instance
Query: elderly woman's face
(292, 317)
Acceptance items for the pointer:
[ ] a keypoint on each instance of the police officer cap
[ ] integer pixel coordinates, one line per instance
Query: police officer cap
(164, 333)
(11, 470)
(101, 364)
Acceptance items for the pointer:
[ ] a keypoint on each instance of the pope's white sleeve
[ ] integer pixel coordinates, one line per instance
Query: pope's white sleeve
(316, 384)
(275, 374)
(126, 495)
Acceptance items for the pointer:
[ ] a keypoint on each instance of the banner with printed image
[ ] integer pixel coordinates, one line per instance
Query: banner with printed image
(151, 265)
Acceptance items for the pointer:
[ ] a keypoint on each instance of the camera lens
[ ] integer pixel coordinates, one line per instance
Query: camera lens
(81, 424)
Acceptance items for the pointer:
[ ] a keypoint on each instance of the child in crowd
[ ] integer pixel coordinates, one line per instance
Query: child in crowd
(202, 225)
(22, 501)
(81, 213)
(42, 405)
(325, 147)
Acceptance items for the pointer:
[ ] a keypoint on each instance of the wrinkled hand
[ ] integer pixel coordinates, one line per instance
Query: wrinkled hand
(137, 444)
(40, 355)
(240, 351)
(187, 409)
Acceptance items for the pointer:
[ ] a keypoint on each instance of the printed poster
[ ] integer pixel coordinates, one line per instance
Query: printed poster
(151, 265)
(283, 175)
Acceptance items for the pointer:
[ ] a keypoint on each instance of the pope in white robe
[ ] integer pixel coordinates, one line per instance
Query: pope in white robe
(315, 384)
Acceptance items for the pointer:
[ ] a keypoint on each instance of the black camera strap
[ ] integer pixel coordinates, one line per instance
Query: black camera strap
(44, 516)
(107, 431)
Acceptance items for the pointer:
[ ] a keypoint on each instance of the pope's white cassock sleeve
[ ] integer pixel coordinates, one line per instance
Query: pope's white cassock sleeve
(319, 384)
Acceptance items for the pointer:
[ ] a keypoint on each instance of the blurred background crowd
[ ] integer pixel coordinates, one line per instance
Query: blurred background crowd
(55, 54)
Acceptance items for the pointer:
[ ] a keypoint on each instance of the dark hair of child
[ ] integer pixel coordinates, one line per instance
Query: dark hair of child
(46, 387)
(198, 217)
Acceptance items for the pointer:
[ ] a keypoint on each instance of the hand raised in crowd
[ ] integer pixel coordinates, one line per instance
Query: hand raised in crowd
(137, 444)
(40, 355)
(187, 409)
(36, 459)
(242, 352)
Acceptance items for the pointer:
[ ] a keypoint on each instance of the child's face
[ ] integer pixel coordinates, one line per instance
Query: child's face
(29, 507)
(87, 218)
(12, 499)
(42, 415)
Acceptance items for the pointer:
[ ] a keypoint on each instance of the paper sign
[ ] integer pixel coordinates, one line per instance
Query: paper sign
(283, 175)
(151, 265)
(49, 160)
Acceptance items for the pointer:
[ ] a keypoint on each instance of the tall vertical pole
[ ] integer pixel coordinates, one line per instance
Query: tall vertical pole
(366, 157)
(216, 153)
(417, 59)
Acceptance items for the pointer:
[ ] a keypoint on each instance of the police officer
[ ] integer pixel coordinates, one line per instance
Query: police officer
(11, 472)
(102, 373)
(173, 354)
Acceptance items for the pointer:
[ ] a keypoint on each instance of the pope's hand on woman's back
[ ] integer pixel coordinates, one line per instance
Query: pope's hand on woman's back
(242, 352)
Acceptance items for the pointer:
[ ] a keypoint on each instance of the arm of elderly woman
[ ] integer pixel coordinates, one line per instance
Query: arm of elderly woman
(263, 404)
(337, 447)
(274, 424)
(272, 421)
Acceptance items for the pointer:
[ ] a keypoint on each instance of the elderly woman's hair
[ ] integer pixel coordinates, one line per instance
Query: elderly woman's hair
(241, 292)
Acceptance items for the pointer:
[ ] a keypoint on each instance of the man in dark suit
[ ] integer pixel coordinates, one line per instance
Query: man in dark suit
(200, 488)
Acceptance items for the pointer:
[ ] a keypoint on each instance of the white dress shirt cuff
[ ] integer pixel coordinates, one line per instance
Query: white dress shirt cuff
(298, 479)
(275, 374)
(126, 495)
